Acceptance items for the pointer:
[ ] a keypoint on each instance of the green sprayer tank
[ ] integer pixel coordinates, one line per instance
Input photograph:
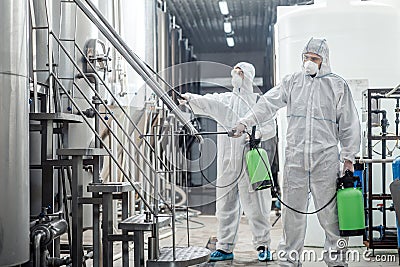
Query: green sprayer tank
(258, 165)
(350, 205)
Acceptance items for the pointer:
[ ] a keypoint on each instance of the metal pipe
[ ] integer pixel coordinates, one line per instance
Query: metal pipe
(34, 62)
(384, 124)
(392, 91)
(132, 204)
(51, 230)
(96, 82)
(48, 4)
(36, 247)
(368, 200)
(58, 227)
(134, 61)
(375, 160)
(66, 209)
(114, 148)
(155, 232)
(173, 182)
(157, 177)
(199, 133)
(152, 248)
(397, 121)
(96, 174)
(185, 167)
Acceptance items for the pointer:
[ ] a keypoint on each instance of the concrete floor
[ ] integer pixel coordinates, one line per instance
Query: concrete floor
(246, 256)
(205, 226)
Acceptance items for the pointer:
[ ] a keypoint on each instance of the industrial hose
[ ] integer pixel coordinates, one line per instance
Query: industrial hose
(272, 180)
(286, 205)
(215, 185)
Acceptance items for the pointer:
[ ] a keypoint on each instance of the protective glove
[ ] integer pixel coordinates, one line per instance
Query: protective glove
(238, 130)
(348, 165)
(185, 99)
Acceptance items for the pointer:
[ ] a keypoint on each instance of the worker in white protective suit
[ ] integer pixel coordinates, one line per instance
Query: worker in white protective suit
(320, 114)
(233, 187)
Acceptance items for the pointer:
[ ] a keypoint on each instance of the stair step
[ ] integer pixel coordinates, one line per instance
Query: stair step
(56, 117)
(82, 152)
(137, 223)
(114, 187)
(185, 256)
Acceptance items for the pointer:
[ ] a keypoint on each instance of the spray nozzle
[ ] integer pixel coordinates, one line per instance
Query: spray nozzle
(347, 180)
(253, 141)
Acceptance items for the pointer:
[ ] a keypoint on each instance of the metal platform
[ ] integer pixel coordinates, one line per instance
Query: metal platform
(56, 117)
(137, 223)
(185, 256)
(82, 152)
(115, 187)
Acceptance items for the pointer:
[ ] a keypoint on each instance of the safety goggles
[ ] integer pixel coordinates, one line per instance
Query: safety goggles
(313, 58)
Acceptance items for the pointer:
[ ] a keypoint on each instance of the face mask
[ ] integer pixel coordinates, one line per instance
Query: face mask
(310, 67)
(237, 81)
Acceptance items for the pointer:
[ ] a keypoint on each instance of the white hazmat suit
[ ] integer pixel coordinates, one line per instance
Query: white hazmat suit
(320, 114)
(226, 109)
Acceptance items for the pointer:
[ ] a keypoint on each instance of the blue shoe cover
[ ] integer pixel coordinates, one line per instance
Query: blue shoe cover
(219, 255)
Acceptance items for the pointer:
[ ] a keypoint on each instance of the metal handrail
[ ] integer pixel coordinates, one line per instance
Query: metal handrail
(120, 106)
(104, 122)
(133, 60)
(99, 98)
(102, 142)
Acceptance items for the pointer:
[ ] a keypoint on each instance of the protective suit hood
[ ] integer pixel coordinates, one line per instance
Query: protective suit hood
(249, 74)
(319, 47)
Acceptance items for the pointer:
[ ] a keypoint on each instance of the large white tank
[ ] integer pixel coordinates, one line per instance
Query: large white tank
(363, 37)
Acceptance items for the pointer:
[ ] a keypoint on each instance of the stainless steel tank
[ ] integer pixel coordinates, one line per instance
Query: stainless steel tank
(14, 173)
(164, 45)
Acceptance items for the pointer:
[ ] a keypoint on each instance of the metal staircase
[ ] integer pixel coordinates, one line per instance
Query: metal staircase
(146, 157)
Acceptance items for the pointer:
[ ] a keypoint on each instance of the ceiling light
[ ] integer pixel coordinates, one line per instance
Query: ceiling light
(227, 27)
(230, 41)
(223, 7)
